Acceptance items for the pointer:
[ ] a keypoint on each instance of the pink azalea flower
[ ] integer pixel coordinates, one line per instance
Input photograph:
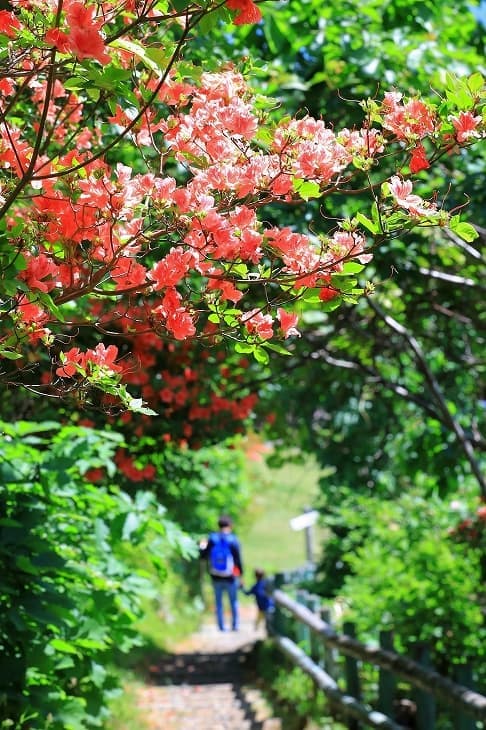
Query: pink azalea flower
(288, 320)
(402, 192)
(258, 323)
(465, 125)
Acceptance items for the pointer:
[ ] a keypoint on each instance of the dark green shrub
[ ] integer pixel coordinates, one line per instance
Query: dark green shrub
(68, 600)
(409, 574)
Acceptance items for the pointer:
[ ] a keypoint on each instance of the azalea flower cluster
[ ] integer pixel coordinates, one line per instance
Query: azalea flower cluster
(179, 251)
(472, 529)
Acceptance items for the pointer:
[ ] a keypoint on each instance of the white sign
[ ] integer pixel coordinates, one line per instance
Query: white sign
(307, 519)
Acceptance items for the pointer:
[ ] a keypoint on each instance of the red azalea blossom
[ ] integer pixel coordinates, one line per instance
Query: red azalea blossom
(402, 192)
(288, 320)
(146, 258)
(72, 359)
(327, 293)
(81, 16)
(36, 271)
(248, 12)
(419, 160)
(88, 43)
(136, 474)
(465, 124)
(30, 312)
(94, 475)
(58, 39)
(9, 25)
(104, 356)
(84, 38)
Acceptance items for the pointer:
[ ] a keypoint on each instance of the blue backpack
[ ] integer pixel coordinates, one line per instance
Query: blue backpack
(221, 561)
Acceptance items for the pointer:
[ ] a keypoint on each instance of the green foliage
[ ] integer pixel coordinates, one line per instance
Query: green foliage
(125, 713)
(310, 50)
(197, 486)
(68, 599)
(408, 575)
(293, 692)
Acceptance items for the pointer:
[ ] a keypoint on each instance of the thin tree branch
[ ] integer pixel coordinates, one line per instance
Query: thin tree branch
(456, 427)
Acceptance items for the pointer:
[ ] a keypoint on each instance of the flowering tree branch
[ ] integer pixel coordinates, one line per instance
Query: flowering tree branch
(178, 248)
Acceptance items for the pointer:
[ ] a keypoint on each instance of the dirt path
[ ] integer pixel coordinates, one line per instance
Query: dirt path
(205, 683)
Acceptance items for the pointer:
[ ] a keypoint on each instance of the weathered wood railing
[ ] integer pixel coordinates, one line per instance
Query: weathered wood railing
(314, 647)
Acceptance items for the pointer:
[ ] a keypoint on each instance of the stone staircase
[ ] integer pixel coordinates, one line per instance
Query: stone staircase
(206, 684)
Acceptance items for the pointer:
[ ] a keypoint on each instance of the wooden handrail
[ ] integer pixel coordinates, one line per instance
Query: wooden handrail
(349, 705)
(450, 692)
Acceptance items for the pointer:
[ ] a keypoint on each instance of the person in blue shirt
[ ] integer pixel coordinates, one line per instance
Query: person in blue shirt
(263, 601)
(223, 553)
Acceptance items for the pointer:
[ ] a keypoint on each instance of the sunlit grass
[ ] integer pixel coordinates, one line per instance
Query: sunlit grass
(278, 495)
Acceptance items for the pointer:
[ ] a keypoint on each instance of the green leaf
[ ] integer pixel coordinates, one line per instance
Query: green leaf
(261, 356)
(367, 223)
(311, 296)
(98, 674)
(10, 355)
(343, 282)
(465, 231)
(23, 563)
(75, 83)
(277, 348)
(48, 302)
(476, 82)
(138, 50)
(352, 267)
(160, 55)
(306, 189)
(211, 20)
(10, 286)
(180, 5)
(132, 523)
(63, 646)
(244, 347)
(332, 304)
(93, 93)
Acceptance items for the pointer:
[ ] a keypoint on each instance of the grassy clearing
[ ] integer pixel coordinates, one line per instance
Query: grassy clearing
(279, 495)
(171, 617)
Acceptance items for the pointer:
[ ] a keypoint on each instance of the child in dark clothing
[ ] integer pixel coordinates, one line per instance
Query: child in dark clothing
(263, 601)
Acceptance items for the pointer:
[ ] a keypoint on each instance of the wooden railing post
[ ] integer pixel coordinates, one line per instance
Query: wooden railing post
(303, 632)
(316, 646)
(386, 682)
(463, 675)
(425, 702)
(329, 652)
(352, 674)
(277, 618)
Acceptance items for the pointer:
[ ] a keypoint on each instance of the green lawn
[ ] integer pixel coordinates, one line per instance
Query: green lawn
(279, 494)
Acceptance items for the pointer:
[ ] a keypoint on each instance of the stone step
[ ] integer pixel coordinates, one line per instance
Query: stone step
(207, 685)
(212, 706)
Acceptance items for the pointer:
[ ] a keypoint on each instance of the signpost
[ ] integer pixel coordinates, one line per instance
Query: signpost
(305, 521)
